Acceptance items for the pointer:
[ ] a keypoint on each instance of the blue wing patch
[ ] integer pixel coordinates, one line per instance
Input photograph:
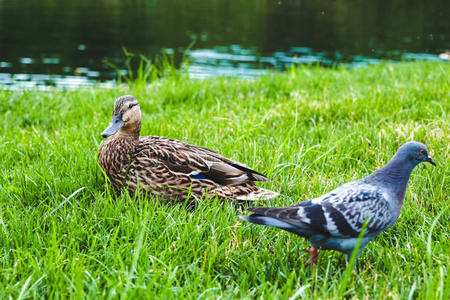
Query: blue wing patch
(199, 176)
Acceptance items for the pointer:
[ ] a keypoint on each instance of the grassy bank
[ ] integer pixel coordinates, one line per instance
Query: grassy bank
(309, 130)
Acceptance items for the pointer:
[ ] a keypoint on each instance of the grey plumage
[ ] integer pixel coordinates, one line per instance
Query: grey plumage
(334, 220)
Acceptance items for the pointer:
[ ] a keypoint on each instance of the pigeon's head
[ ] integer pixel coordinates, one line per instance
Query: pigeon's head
(415, 152)
(126, 117)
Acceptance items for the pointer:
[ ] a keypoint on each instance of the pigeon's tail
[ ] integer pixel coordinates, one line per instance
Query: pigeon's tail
(259, 194)
(286, 218)
(268, 221)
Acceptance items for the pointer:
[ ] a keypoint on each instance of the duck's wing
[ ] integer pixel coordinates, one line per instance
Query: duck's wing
(155, 177)
(195, 161)
(340, 213)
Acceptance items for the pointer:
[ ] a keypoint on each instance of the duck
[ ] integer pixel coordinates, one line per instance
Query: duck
(170, 168)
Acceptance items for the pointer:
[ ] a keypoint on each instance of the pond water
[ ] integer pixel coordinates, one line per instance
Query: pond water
(73, 43)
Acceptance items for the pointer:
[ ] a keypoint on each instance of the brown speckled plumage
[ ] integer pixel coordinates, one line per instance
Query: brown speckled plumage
(168, 167)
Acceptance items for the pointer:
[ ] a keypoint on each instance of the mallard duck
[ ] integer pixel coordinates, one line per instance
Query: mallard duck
(168, 167)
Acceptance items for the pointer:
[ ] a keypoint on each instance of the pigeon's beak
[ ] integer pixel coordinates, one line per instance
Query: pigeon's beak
(431, 161)
(114, 126)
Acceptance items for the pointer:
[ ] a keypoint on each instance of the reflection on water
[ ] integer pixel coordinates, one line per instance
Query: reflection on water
(235, 61)
(49, 82)
(66, 43)
(203, 63)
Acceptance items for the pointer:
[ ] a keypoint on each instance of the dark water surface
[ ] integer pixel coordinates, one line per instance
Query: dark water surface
(66, 43)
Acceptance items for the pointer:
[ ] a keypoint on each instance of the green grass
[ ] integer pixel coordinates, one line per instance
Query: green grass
(310, 130)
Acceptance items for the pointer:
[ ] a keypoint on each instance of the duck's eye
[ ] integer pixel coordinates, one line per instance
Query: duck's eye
(422, 152)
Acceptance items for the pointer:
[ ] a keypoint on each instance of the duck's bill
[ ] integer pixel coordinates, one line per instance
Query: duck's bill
(431, 161)
(113, 127)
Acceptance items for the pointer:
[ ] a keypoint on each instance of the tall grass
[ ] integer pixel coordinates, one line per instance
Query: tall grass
(138, 70)
(63, 233)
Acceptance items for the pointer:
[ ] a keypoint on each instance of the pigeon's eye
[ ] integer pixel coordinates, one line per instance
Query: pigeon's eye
(131, 105)
(422, 152)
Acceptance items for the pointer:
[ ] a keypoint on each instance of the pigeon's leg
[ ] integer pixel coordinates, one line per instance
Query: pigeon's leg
(314, 256)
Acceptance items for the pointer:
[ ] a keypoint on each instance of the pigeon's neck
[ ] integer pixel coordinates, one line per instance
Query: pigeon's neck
(394, 176)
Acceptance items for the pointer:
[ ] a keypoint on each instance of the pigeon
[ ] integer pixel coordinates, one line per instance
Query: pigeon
(334, 221)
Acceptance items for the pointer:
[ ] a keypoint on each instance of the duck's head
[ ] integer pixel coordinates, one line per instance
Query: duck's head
(126, 117)
(414, 153)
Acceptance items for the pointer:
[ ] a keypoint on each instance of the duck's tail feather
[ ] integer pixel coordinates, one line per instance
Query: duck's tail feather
(259, 194)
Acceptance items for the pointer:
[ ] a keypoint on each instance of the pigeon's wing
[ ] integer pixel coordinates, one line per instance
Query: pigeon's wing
(348, 207)
(340, 213)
